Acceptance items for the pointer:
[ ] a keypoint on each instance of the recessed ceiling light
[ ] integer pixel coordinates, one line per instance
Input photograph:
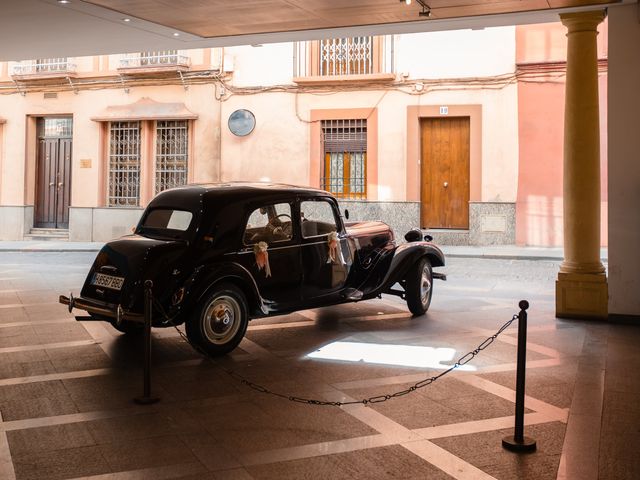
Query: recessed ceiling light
(176, 34)
(64, 1)
(126, 19)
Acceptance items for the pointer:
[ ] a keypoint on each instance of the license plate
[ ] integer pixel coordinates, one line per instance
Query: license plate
(108, 281)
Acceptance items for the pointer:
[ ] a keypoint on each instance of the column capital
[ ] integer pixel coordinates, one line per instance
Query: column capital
(582, 21)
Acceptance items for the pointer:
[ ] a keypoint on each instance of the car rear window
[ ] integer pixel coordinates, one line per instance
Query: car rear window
(168, 219)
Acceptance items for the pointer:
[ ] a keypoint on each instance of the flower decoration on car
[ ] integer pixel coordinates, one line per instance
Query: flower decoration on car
(262, 257)
(335, 254)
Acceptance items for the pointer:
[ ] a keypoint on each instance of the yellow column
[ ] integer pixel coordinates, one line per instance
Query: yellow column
(581, 288)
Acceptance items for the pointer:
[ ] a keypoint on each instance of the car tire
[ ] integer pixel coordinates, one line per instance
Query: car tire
(419, 287)
(219, 321)
(129, 327)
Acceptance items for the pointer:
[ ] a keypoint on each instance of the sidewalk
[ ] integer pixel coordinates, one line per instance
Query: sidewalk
(512, 252)
(49, 246)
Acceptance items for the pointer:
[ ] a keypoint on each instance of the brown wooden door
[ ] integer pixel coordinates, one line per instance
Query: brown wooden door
(444, 185)
(53, 182)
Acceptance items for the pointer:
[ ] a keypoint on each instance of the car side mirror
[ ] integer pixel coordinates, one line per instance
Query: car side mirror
(346, 214)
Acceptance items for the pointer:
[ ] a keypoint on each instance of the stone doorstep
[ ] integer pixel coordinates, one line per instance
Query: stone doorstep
(48, 234)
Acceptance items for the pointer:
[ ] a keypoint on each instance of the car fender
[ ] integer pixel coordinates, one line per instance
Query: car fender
(405, 256)
(206, 277)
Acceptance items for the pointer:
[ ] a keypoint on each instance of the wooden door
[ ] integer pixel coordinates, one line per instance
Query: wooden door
(53, 182)
(444, 185)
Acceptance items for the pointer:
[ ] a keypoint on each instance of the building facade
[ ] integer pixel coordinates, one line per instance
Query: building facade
(541, 66)
(417, 130)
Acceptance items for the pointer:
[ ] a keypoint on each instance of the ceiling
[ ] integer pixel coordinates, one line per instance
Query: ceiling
(47, 28)
(217, 18)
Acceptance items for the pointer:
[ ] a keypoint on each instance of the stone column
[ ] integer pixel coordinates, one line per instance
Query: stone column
(581, 288)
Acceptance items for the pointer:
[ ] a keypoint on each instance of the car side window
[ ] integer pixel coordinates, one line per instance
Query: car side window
(270, 223)
(317, 218)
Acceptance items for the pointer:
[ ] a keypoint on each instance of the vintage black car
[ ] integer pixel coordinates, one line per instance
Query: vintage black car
(221, 254)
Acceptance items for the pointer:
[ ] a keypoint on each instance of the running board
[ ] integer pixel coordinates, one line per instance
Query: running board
(439, 276)
(352, 294)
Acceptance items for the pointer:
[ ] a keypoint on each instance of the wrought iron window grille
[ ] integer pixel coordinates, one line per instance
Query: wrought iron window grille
(152, 59)
(124, 164)
(344, 143)
(172, 154)
(344, 56)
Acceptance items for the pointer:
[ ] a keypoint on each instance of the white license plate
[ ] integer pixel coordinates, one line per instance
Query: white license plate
(108, 281)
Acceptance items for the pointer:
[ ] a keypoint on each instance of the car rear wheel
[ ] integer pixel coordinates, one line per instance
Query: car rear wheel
(220, 321)
(419, 287)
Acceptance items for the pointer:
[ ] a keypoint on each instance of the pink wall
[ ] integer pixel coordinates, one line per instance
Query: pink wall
(541, 130)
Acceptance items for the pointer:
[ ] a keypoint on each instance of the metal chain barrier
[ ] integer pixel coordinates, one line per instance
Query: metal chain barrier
(375, 399)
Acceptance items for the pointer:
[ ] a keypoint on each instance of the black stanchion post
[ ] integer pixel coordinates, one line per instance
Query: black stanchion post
(520, 443)
(146, 398)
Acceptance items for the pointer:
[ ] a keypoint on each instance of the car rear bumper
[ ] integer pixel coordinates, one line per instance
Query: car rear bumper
(102, 309)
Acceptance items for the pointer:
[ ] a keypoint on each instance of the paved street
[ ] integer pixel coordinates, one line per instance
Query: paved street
(66, 388)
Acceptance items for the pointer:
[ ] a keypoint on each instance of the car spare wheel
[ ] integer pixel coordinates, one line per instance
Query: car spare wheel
(419, 286)
(220, 320)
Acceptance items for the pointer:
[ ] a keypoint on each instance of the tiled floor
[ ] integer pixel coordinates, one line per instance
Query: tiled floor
(66, 388)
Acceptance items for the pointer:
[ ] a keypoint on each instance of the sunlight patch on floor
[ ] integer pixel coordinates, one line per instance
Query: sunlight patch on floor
(385, 354)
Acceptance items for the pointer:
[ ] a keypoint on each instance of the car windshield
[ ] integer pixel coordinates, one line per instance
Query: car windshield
(166, 222)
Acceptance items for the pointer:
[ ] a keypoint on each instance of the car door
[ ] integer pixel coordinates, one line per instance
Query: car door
(270, 251)
(325, 267)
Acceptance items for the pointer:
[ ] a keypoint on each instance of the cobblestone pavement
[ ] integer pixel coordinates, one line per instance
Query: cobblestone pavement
(66, 388)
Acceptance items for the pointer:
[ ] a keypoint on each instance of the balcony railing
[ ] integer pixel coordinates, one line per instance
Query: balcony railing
(44, 67)
(154, 61)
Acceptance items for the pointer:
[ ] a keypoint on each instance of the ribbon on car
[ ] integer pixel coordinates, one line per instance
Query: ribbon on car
(262, 257)
(335, 253)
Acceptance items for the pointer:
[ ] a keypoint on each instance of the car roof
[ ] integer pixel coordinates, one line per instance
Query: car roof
(242, 188)
(255, 187)
(230, 192)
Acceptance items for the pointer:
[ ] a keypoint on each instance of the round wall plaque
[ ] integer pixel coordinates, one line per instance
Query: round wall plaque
(242, 122)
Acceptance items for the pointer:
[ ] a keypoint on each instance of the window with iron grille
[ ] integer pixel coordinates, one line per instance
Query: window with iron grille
(58, 64)
(354, 56)
(345, 158)
(346, 56)
(124, 164)
(159, 57)
(56, 127)
(172, 153)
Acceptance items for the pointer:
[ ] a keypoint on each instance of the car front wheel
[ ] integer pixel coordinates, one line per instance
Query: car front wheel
(220, 321)
(419, 287)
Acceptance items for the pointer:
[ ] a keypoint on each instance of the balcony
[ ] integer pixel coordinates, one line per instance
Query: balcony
(344, 60)
(154, 63)
(43, 69)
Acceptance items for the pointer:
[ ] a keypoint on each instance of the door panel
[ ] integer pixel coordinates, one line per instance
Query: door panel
(45, 214)
(63, 192)
(53, 184)
(322, 276)
(445, 159)
(272, 226)
(283, 286)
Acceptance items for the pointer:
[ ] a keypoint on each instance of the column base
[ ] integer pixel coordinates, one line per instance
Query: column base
(580, 295)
